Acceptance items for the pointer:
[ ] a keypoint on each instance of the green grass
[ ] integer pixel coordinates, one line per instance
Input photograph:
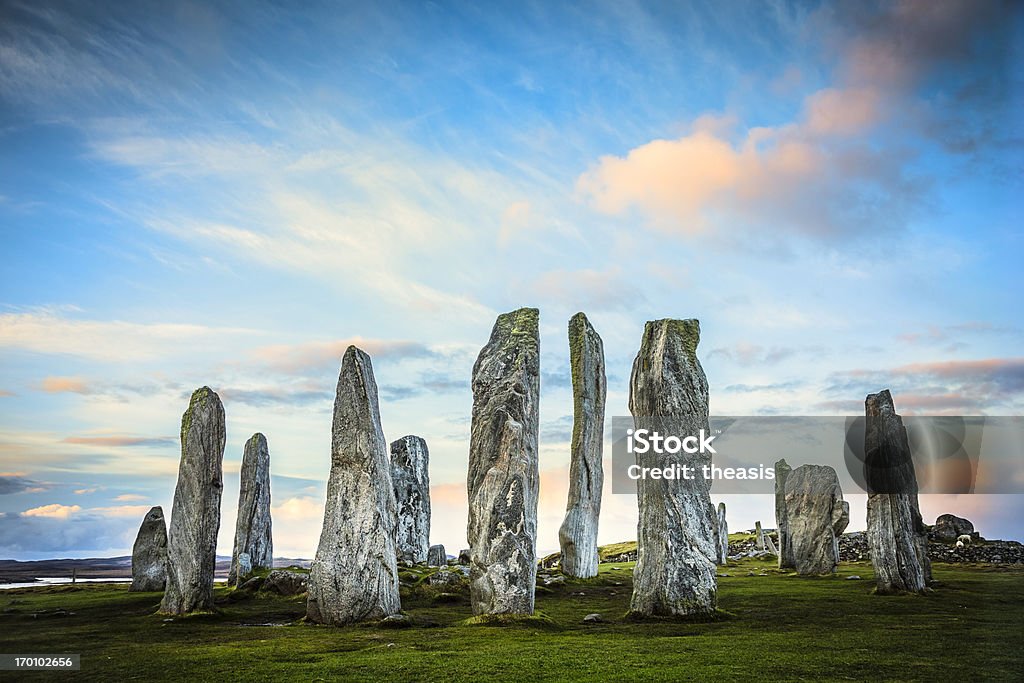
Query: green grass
(777, 626)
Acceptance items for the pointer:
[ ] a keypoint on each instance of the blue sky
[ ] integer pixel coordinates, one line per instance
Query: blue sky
(229, 194)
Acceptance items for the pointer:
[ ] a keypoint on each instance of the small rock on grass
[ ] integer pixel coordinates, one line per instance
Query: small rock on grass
(594, 618)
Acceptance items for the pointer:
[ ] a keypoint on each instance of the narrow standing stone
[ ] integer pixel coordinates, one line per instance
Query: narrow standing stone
(503, 480)
(354, 575)
(723, 536)
(149, 554)
(785, 550)
(409, 474)
(253, 532)
(578, 534)
(896, 534)
(760, 535)
(675, 568)
(195, 517)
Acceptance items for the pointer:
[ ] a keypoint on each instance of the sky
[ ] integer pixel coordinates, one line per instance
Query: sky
(229, 194)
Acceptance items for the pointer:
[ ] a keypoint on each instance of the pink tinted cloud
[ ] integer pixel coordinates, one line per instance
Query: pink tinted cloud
(299, 358)
(57, 385)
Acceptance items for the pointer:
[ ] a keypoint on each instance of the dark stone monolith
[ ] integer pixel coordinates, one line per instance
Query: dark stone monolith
(411, 479)
(785, 549)
(896, 534)
(723, 536)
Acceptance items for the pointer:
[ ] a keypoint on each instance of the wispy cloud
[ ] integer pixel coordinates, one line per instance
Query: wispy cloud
(120, 441)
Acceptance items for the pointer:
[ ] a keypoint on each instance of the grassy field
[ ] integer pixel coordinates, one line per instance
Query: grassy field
(774, 626)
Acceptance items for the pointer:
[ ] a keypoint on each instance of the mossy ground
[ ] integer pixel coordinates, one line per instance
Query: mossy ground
(778, 626)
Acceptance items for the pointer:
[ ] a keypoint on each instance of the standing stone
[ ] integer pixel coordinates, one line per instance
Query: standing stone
(815, 510)
(578, 534)
(354, 575)
(465, 557)
(503, 480)
(675, 568)
(770, 544)
(760, 535)
(785, 550)
(252, 528)
(896, 533)
(409, 461)
(195, 517)
(436, 556)
(244, 567)
(149, 554)
(723, 536)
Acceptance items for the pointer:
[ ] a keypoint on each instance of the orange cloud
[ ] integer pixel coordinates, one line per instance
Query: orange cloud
(54, 510)
(293, 358)
(119, 441)
(58, 385)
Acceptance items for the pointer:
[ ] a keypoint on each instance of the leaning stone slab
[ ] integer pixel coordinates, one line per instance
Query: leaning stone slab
(675, 569)
(354, 575)
(195, 517)
(578, 533)
(503, 479)
(149, 554)
(814, 510)
(253, 529)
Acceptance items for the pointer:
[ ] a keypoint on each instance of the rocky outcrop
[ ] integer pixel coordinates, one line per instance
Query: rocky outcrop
(285, 582)
(503, 480)
(410, 476)
(436, 556)
(195, 517)
(675, 569)
(253, 533)
(149, 554)
(354, 575)
(948, 528)
(785, 550)
(896, 534)
(723, 536)
(577, 536)
(816, 515)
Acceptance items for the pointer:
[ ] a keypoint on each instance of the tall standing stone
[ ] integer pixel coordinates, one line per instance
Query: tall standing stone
(195, 517)
(815, 515)
(436, 556)
(675, 569)
(149, 554)
(253, 533)
(759, 535)
(896, 533)
(578, 533)
(723, 536)
(782, 471)
(354, 575)
(503, 479)
(411, 479)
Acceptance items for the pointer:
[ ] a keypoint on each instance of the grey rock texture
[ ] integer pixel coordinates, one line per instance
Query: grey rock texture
(578, 533)
(243, 568)
(409, 474)
(149, 554)
(785, 549)
(676, 533)
(354, 575)
(816, 515)
(195, 517)
(948, 528)
(759, 535)
(465, 556)
(503, 480)
(770, 545)
(285, 582)
(253, 529)
(436, 556)
(723, 536)
(896, 534)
